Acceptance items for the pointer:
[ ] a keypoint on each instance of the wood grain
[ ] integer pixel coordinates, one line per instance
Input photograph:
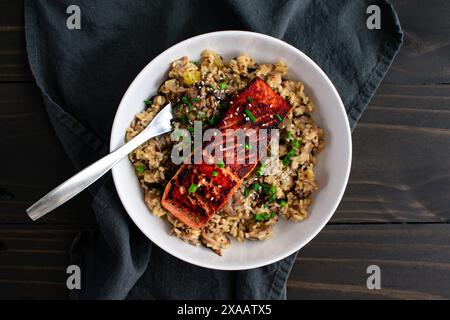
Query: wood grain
(414, 262)
(395, 211)
(13, 60)
(393, 178)
(33, 261)
(425, 55)
(33, 161)
(401, 159)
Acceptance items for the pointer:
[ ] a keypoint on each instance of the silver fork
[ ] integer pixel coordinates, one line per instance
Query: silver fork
(160, 124)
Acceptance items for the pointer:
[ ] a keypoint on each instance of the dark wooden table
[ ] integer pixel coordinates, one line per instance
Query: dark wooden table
(395, 212)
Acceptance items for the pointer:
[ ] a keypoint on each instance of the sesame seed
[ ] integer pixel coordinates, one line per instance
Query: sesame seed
(212, 198)
(271, 116)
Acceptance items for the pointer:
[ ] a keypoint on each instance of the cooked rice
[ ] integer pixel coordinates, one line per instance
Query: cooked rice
(202, 81)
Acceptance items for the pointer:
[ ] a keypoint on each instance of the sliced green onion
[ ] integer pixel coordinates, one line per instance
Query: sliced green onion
(215, 173)
(191, 130)
(282, 203)
(193, 188)
(289, 135)
(196, 99)
(183, 118)
(148, 102)
(278, 117)
(259, 217)
(286, 160)
(272, 198)
(212, 120)
(140, 169)
(273, 189)
(250, 115)
(272, 214)
(248, 146)
(221, 164)
(296, 144)
(256, 187)
(186, 101)
(249, 99)
(246, 192)
(261, 169)
(223, 86)
(291, 153)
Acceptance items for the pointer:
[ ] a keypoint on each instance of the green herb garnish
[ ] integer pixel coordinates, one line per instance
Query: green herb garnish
(248, 146)
(261, 169)
(215, 173)
(223, 86)
(191, 130)
(211, 86)
(278, 117)
(264, 216)
(196, 99)
(249, 99)
(291, 152)
(186, 101)
(148, 102)
(221, 164)
(272, 198)
(286, 160)
(256, 187)
(246, 192)
(183, 118)
(140, 169)
(212, 120)
(289, 135)
(296, 144)
(193, 188)
(282, 203)
(250, 115)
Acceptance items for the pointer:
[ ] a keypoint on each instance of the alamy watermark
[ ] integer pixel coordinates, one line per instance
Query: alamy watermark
(73, 22)
(374, 280)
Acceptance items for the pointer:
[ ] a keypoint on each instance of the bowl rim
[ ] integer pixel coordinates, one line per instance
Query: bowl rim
(306, 240)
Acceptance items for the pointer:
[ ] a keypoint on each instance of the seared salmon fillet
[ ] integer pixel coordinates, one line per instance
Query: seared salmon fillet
(197, 191)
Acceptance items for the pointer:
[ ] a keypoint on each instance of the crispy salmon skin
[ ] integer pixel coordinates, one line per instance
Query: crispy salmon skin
(197, 191)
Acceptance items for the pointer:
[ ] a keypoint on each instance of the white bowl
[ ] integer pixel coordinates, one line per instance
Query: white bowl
(333, 165)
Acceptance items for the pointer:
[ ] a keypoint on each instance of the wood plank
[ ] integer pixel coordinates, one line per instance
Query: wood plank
(400, 169)
(33, 261)
(393, 179)
(33, 161)
(425, 55)
(414, 262)
(13, 60)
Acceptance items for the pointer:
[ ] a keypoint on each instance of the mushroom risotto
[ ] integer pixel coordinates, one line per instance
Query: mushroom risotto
(202, 91)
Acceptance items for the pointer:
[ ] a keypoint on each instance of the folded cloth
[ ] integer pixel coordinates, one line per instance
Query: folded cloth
(83, 74)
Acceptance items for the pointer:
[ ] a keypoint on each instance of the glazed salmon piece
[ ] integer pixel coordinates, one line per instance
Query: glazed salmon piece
(197, 191)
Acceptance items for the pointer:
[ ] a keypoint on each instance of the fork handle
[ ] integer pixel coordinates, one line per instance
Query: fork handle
(83, 179)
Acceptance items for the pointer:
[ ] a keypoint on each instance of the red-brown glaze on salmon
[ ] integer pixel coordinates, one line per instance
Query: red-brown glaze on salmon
(195, 209)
